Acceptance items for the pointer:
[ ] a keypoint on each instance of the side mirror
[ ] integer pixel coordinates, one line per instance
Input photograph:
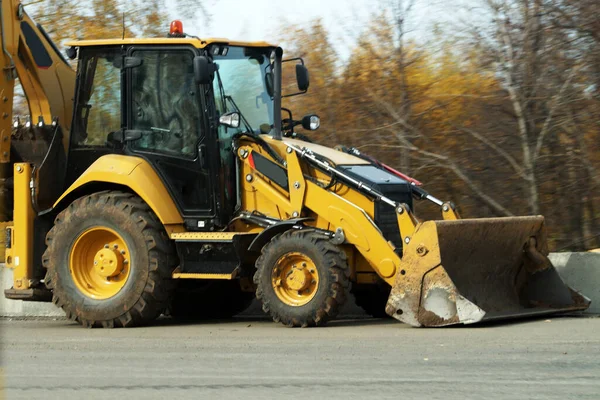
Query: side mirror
(202, 70)
(230, 120)
(302, 77)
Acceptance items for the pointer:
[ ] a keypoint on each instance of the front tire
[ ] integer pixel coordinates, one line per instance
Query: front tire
(109, 261)
(301, 278)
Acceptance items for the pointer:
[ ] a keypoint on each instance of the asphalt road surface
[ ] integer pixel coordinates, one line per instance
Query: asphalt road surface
(250, 358)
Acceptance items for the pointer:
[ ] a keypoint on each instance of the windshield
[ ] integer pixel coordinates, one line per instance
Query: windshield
(242, 75)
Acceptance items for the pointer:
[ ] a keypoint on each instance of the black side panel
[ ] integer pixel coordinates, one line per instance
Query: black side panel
(218, 258)
(38, 50)
(52, 171)
(385, 215)
(390, 186)
(41, 226)
(207, 258)
(188, 184)
(271, 170)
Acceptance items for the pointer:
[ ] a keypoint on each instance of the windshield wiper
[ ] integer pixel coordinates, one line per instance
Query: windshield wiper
(224, 99)
(244, 120)
(221, 90)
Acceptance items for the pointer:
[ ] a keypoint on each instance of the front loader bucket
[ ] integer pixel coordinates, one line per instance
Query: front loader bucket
(472, 270)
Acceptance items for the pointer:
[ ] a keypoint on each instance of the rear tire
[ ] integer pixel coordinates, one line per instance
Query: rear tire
(301, 278)
(198, 300)
(133, 294)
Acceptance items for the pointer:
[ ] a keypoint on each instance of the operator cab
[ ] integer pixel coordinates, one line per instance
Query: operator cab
(178, 103)
(141, 98)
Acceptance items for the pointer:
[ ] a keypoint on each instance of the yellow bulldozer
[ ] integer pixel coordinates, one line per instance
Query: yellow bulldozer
(162, 177)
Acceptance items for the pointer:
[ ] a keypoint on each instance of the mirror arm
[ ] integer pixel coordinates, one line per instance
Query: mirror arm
(290, 119)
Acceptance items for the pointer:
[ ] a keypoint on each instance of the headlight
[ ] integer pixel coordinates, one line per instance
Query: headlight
(311, 122)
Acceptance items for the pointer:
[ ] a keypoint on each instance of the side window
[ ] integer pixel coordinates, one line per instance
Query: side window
(165, 105)
(98, 110)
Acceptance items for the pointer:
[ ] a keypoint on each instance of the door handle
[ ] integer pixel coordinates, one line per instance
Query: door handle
(202, 156)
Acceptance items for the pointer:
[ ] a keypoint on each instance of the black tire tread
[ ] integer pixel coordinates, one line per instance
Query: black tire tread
(337, 265)
(161, 254)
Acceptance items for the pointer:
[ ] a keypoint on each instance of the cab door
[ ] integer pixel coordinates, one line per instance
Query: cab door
(164, 107)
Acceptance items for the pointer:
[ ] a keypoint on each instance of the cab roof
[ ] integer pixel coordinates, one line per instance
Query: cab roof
(196, 42)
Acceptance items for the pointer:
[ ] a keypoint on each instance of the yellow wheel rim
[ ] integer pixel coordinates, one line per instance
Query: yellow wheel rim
(100, 263)
(295, 279)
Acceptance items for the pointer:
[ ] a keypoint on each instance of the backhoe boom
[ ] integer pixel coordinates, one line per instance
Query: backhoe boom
(48, 81)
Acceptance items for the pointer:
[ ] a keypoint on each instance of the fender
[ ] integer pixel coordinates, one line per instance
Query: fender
(136, 174)
(265, 236)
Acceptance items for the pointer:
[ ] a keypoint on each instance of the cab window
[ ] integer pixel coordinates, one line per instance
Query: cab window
(98, 111)
(165, 107)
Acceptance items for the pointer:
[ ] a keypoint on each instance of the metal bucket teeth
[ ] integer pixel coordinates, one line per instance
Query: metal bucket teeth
(473, 270)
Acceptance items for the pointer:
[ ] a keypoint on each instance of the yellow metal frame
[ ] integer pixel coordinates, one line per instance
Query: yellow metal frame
(196, 42)
(358, 227)
(135, 173)
(185, 275)
(407, 222)
(205, 236)
(19, 256)
(49, 90)
(449, 213)
(342, 208)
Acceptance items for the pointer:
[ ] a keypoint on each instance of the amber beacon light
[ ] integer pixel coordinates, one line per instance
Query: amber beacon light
(176, 28)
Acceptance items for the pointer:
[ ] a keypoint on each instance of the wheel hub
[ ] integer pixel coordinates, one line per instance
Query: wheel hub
(99, 263)
(108, 262)
(295, 279)
(298, 278)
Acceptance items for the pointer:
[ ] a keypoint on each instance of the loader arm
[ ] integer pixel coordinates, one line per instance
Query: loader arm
(47, 79)
(449, 271)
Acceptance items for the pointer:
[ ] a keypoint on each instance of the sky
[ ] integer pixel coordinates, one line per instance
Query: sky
(263, 19)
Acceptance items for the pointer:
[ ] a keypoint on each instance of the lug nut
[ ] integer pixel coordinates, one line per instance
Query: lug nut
(106, 246)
